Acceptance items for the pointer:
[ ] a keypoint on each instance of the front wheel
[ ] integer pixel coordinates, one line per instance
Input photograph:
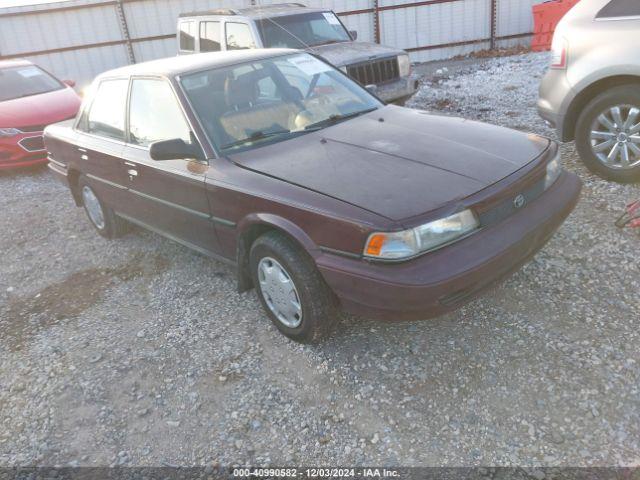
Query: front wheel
(291, 290)
(608, 134)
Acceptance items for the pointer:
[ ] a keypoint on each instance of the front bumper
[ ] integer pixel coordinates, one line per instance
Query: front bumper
(444, 280)
(16, 151)
(399, 90)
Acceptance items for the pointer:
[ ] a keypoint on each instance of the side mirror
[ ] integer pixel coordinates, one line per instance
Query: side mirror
(175, 149)
(354, 34)
(69, 83)
(373, 89)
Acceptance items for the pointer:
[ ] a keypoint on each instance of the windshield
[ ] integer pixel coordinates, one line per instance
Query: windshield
(301, 31)
(247, 105)
(18, 82)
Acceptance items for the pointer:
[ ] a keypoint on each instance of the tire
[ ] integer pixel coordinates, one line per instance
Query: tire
(287, 262)
(626, 97)
(101, 216)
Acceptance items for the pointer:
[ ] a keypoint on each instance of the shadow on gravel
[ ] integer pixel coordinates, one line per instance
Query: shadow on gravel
(23, 318)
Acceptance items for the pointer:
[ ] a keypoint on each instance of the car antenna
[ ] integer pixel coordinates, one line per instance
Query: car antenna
(259, 2)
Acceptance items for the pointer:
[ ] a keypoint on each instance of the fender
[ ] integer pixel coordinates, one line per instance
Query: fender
(251, 227)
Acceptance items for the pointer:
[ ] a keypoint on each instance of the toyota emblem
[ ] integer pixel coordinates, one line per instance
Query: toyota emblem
(519, 201)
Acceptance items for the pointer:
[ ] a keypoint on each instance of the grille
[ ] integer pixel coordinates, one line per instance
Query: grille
(32, 128)
(32, 144)
(507, 207)
(375, 73)
(40, 128)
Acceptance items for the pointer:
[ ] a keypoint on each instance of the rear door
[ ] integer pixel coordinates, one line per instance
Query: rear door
(100, 141)
(167, 196)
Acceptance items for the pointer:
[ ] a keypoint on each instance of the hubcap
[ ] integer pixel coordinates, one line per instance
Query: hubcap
(93, 207)
(615, 137)
(279, 292)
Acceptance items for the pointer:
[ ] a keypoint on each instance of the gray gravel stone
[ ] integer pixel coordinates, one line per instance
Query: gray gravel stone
(556, 345)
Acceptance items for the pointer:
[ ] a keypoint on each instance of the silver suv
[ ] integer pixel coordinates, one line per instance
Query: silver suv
(591, 93)
(385, 71)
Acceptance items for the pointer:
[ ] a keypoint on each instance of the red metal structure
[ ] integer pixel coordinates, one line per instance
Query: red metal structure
(545, 19)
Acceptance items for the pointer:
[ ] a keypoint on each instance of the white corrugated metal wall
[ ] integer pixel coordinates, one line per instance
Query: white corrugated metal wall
(79, 39)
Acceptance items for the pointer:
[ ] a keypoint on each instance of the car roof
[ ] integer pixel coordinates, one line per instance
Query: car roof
(258, 12)
(19, 62)
(174, 66)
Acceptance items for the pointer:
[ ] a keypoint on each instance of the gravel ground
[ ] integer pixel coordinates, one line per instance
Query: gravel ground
(139, 352)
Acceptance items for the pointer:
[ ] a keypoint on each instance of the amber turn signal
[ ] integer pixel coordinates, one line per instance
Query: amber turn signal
(375, 244)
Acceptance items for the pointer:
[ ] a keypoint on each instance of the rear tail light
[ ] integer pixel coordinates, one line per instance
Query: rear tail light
(559, 52)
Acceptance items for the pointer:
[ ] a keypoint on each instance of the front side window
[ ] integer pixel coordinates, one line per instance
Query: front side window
(154, 113)
(301, 31)
(252, 104)
(107, 113)
(187, 36)
(19, 82)
(620, 8)
(209, 36)
(239, 36)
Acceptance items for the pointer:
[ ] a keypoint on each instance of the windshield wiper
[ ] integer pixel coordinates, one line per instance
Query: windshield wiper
(328, 42)
(255, 136)
(333, 119)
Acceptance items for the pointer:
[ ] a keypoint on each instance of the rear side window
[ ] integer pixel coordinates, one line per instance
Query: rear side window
(209, 36)
(107, 114)
(155, 113)
(187, 36)
(239, 36)
(620, 8)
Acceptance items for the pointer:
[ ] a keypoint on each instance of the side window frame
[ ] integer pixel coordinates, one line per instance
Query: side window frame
(193, 24)
(221, 29)
(615, 10)
(174, 96)
(82, 122)
(255, 39)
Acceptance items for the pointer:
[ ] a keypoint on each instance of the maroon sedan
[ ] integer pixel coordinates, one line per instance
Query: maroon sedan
(320, 195)
(30, 99)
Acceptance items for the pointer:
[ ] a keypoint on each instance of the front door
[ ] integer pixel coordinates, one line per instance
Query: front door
(167, 196)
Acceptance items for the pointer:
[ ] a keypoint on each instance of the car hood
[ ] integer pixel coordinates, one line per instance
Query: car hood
(348, 53)
(397, 162)
(42, 109)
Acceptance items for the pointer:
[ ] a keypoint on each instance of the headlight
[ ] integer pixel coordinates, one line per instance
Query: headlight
(554, 169)
(408, 243)
(404, 65)
(9, 132)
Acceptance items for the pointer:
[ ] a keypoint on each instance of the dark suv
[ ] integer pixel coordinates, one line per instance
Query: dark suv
(384, 70)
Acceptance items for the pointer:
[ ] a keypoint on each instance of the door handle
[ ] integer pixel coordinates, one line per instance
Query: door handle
(132, 173)
(84, 157)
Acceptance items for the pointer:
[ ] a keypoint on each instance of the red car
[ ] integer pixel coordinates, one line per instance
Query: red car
(30, 99)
